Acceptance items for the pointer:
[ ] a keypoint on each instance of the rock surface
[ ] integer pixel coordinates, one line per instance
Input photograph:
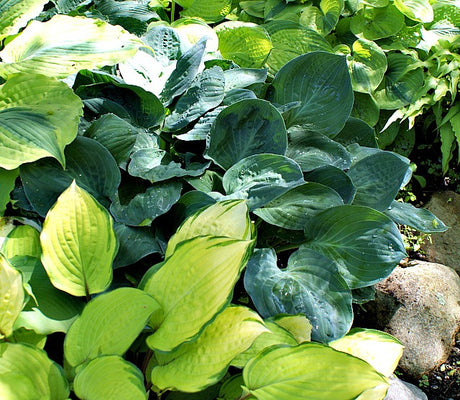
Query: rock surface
(400, 390)
(445, 248)
(419, 305)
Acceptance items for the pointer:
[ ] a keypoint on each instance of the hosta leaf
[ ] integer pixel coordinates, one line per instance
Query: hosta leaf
(23, 240)
(245, 128)
(78, 243)
(356, 131)
(320, 81)
(109, 377)
(365, 108)
(261, 178)
(16, 14)
(39, 116)
(297, 325)
(247, 44)
(310, 285)
(417, 10)
(310, 370)
(238, 78)
(292, 209)
(377, 179)
(97, 330)
(208, 10)
(226, 219)
(379, 349)
(24, 364)
(364, 243)
(377, 23)
(194, 366)
(11, 297)
(7, 180)
(202, 128)
(367, 65)
(87, 162)
(208, 268)
(420, 219)
(64, 45)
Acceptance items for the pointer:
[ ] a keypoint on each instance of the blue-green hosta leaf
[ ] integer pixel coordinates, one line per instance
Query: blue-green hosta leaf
(78, 243)
(16, 14)
(64, 6)
(87, 162)
(245, 43)
(64, 45)
(27, 371)
(321, 82)
(374, 23)
(246, 128)
(97, 331)
(356, 131)
(377, 179)
(292, 209)
(310, 371)
(261, 178)
(239, 78)
(313, 150)
(291, 40)
(110, 377)
(208, 10)
(7, 180)
(193, 285)
(365, 108)
(416, 10)
(364, 243)
(136, 205)
(197, 365)
(11, 297)
(310, 284)
(202, 128)
(39, 116)
(367, 65)
(336, 179)
(379, 349)
(24, 240)
(165, 43)
(206, 93)
(418, 218)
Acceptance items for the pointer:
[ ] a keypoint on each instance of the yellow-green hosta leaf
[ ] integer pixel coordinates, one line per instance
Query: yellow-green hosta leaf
(109, 324)
(16, 13)
(197, 365)
(297, 325)
(7, 180)
(226, 218)
(11, 297)
(22, 241)
(25, 364)
(208, 10)
(193, 285)
(108, 378)
(39, 116)
(309, 371)
(78, 243)
(64, 45)
(379, 349)
(417, 10)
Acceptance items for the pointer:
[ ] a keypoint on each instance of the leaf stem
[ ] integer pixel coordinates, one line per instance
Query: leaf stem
(146, 361)
(173, 10)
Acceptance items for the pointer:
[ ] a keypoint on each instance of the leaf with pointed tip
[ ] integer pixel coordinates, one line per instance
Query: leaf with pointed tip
(64, 45)
(16, 14)
(39, 116)
(334, 178)
(364, 243)
(193, 285)
(78, 243)
(109, 377)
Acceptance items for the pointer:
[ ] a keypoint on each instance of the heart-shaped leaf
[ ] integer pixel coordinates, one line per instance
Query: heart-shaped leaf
(377, 22)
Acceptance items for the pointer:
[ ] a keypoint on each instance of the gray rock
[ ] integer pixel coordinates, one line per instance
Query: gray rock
(419, 305)
(444, 247)
(400, 390)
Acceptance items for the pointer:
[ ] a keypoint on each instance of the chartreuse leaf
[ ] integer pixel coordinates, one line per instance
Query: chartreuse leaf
(39, 116)
(364, 243)
(321, 83)
(297, 325)
(109, 377)
(23, 240)
(208, 10)
(11, 297)
(311, 285)
(64, 45)
(26, 365)
(245, 43)
(309, 371)
(417, 10)
(16, 14)
(97, 331)
(292, 209)
(228, 218)
(7, 179)
(231, 388)
(194, 366)
(379, 349)
(377, 23)
(193, 285)
(78, 243)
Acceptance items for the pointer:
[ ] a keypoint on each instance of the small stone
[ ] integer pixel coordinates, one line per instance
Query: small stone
(400, 390)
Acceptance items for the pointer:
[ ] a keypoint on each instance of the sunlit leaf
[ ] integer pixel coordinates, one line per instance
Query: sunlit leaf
(17, 13)
(417, 10)
(23, 240)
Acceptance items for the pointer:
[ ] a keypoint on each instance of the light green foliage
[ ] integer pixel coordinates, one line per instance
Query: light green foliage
(16, 13)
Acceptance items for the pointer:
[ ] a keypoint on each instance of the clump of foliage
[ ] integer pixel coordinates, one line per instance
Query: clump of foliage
(175, 209)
